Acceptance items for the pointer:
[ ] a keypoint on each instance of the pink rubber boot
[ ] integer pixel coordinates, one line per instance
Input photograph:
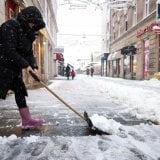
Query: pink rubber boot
(27, 121)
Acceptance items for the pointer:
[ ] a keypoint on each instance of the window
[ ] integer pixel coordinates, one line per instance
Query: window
(146, 8)
(135, 14)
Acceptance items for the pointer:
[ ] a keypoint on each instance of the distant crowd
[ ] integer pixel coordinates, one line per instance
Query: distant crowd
(90, 71)
(70, 72)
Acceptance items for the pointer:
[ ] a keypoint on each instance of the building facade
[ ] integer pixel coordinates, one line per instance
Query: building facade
(45, 45)
(134, 48)
(46, 41)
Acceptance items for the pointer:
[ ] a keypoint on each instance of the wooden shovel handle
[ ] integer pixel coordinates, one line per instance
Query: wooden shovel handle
(35, 77)
(53, 93)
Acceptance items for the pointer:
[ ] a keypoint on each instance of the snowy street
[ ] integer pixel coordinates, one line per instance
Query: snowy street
(131, 108)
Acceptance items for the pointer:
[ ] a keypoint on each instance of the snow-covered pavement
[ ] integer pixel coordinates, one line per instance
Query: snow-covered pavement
(129, 106)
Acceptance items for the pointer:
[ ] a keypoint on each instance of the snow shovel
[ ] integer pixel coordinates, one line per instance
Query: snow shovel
(84, 117)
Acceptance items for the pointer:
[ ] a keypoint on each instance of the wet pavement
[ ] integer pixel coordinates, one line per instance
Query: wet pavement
(64, 126)
(57, 128)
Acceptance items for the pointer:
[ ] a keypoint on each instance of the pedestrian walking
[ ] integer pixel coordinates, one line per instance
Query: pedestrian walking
(68, 71)
(92, 71)
(87, 71)
(17, 36)
(73, 73)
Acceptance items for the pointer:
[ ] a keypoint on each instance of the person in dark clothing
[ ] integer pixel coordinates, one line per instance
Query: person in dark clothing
(68, 71)
(87, 71)
(92, 71)
(17, 36)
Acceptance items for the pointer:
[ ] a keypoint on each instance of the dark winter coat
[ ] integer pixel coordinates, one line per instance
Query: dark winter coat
(16, 48)
(68, 70)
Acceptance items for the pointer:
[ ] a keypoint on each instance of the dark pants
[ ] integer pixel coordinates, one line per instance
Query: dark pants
(20, 92)
(68, 75)
(10, 80)
(20, 97)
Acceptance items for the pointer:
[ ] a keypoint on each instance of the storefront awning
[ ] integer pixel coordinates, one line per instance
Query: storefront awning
(114, 56)
(128, 50)
(110, 57)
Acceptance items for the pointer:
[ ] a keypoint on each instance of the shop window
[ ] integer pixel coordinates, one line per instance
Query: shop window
(118, 67)
(134, 64)
(114, 68)
(126, 65)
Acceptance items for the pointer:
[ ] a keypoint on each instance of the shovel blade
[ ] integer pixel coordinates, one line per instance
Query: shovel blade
(93, 129)
(90, 124)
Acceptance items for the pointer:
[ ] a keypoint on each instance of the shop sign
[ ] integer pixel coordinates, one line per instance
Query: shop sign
(146, 29)
(59, 57)
(58, 51)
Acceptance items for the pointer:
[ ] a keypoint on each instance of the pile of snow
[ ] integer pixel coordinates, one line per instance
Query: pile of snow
(106, 125)
(5, 139)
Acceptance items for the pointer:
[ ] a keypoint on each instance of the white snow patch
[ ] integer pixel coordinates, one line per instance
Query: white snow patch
(107, 125)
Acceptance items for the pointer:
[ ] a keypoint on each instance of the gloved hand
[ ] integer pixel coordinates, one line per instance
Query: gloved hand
(29, 69)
